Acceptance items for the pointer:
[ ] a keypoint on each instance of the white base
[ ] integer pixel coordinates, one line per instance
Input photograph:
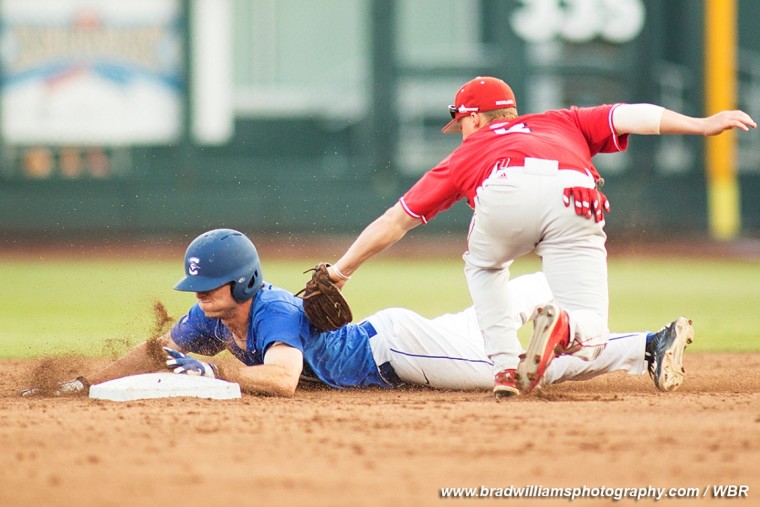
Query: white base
(164, 385)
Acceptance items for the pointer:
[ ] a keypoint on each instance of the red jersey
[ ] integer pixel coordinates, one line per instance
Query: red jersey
(569, 136)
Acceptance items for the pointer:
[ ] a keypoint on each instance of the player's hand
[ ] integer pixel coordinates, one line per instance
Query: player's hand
(76, 386)
(184, 364)
(589, 202)
(726, 120)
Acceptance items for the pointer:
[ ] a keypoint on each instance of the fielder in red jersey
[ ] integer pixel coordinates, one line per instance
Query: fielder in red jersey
(520, 174)
(570, 137)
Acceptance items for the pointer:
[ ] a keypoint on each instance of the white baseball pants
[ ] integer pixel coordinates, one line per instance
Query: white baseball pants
(448, 352)
(519, 210)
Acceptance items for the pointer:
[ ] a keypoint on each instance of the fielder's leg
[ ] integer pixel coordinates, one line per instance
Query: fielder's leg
(574, 261)
(503, 228)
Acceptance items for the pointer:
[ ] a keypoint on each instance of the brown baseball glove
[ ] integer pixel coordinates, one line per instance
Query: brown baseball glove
(323, 302)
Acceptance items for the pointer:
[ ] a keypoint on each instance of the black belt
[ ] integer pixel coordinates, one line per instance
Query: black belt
(386, 371)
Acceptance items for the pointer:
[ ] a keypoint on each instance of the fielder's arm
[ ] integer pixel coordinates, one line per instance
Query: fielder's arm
(376, 237)
(655, 120)
(278, 376)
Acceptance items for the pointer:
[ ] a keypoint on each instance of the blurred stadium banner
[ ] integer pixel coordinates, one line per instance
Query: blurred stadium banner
(287, 117)
(106, 72)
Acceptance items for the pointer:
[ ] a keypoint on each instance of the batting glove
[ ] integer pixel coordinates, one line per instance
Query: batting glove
(184, 364)
(588, 202)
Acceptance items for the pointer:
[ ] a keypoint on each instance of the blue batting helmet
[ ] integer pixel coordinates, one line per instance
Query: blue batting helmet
(218, 257)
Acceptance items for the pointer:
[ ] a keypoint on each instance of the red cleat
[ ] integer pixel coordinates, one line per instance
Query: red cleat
(505, 384)
(551, 337)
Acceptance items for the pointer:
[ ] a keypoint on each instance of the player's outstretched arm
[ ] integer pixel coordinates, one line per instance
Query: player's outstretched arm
(144, 358)
(376, 237)
(278, 376)
(654, 120)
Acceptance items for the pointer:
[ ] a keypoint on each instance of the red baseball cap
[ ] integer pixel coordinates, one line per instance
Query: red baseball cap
(478, 96)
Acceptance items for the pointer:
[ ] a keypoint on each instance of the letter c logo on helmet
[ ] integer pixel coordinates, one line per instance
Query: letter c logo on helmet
(219, 257)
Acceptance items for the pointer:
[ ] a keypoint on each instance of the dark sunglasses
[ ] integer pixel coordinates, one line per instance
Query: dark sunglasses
(453, 110)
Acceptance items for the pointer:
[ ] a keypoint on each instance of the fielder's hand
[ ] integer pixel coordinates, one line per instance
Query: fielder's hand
(588, 202)
(76, 386)
(726, 120)
(323, 302)
(184, 364)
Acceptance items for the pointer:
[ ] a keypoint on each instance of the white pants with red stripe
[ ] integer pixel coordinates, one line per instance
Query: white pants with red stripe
(448, 352)
(519, 210)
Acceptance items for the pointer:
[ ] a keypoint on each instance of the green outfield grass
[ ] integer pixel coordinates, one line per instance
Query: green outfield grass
(101, 307)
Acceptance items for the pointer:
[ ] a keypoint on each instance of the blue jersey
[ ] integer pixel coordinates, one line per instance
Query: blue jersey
(340, 358)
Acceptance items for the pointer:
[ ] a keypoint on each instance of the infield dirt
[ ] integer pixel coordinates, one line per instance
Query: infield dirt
(376, 447)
